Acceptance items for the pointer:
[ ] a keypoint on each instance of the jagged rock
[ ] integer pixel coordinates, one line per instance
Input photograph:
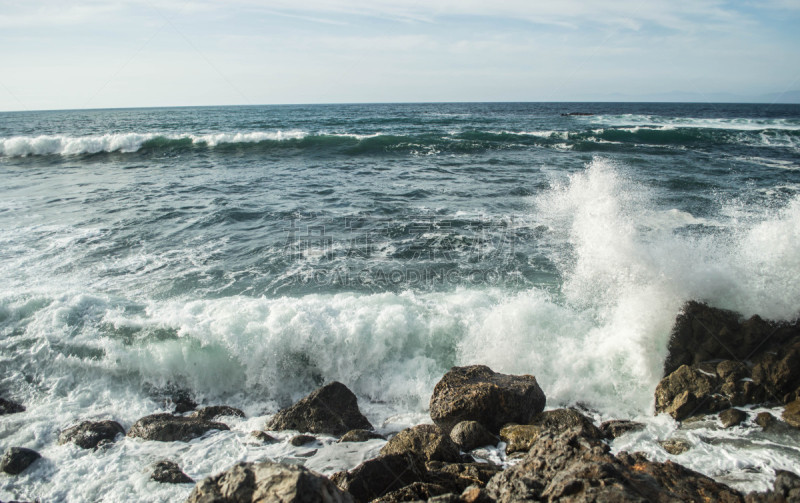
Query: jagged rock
(559, 420)
(618, 427)
(10, 407)
(173, 396)
(426, 441)
(732, 417)
(332, 409)
(675, 446)
(169, 428)
(300, 440)
(215, 411)
(469, 435)
(263, 436)
(360, 436)
(418, 491)
(169, 472)
(267, 482)
(766, 420)
(778, 371)
(17, 459)
(477, 393)
(791, 414)
(519, 437)
(377, 477)
(786, 489)
(89, 434)
(456, 477)
(689, 391)
(475, 494)
(571, 467)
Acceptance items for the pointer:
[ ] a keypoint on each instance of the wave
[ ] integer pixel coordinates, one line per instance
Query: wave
(734, 124)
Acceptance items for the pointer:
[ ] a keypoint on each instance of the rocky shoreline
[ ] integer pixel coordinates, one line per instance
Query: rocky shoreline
(717, 364)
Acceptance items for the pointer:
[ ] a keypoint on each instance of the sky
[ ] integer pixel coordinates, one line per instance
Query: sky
(69, 54)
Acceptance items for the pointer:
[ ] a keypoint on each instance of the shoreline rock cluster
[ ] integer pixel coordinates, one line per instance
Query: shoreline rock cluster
(716, 363)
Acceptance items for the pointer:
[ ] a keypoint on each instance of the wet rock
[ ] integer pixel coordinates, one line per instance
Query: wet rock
(519, 437)
(475, 494)
(332, 409)
(10, 407)
(791, 414)
(732, 417)
(675, 446)
(468, 435)
(560, 420)
(786, 489)
(457, 477)
(477, 393)
(300, 440)
(778, 371)
(380, 476)
(267, 481)
(90, 434)
(571, 467)
(766, 420)
(215, 411)
(169, 428)
(17, 459)
(169, 472)
(263, 436)
(359, 436)
(173, 396)
(426, 441)
(689, 391)
(618, 427)
(418, 491)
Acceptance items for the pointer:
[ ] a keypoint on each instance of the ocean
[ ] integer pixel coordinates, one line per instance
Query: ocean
(248, 255)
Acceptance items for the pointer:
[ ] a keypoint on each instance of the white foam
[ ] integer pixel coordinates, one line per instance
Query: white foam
(741, 124)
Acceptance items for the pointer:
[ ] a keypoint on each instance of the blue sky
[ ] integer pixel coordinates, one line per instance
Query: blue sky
(95, 54)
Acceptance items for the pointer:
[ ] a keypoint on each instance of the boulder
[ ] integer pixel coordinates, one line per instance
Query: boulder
(791, 414)
(380, 476)
(169, 472)
(17, 459)
(778, 371)
(267, 481)
(560, 420)
(571, 467)
(168, 428)
(732, 417)
(675, 446)
(215, 411)
(468, 435)
(426, 441)
(10, 407)
(360, 436)
(618, 427)
(766, 420)
(477, 393)
(689, 391)
(89, 434)
(263, 436)
(301, 440)
(332, 409)
(457, 477)
(519, 437)
(785, 489)
(418, 491)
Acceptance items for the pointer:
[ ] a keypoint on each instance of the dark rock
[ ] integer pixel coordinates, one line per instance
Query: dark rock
(173, 396)
(732, 417)
(10, 407)
(791, 414)
(571, 467)
(475, 494)
(331, 409)
(417, 491)
(267, 482)
(300, 440)
(457, 477)
(560, 420)
(766, 420)
(263, 436)
(689, 391)
(675, 446)
(17, 459)
(618, 427)
(469, 435)
(377, 477)
(359, 436)
(426, 441)
(170, 473)
(778, 371)
(169, 428)
(89, 434)
(215, 411)
(519, 437)
(786, 489)
(730, 370)
(476, 393)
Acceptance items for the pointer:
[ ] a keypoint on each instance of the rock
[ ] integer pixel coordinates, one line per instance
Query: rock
(267, 482)
(10, 407)
(380, 476)
(730, 370)
(560, 420)
(423, 491)
(89, 434)
(675, 446)
(457, 477)
(477, 393)
(766, 420)
(618, 427)
(791, 414)
(173, 396)
(688, 391)
(359, 436)
(778, 371)
(170, 473)
(263, 436)
(214, 411)
(786, 489)
(519, 437)
(300, 440)
(169, 428)
(571, 467)
(475, 494)
(426, 441)
(17, 459)
(468, 435)
(332, 409)
(732, 417)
